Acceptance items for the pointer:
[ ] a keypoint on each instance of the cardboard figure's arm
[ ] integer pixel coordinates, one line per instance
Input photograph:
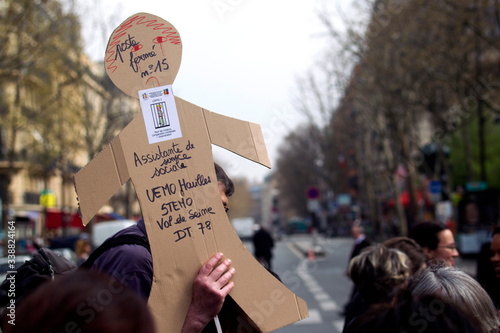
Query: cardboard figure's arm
(95, 184)
(240, 137)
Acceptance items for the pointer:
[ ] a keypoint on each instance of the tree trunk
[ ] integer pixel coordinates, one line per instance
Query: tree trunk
(482, 144)
(410, 179)
(403, 224)
(467, 152)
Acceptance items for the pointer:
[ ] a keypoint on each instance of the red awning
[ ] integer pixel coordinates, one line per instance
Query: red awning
(56, 219)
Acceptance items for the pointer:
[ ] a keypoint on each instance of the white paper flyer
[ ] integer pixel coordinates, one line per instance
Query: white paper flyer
(160, 114)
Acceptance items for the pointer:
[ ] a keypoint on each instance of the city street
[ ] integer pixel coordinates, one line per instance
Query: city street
(321, 282)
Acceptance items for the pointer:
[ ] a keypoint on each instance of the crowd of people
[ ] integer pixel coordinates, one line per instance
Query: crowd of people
(112, 295)
(404, 284)
(411, 284)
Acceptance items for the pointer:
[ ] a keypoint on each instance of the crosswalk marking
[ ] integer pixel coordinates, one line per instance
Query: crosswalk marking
(329, 306)
(324, 300)
(338, 324)
(311, 283)
(321, 297)
(316, 290)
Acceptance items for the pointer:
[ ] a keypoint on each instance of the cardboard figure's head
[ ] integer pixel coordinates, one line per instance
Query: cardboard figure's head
(143, 52)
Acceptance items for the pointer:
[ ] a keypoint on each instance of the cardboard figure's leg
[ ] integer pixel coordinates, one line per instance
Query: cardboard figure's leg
(263, 298)
(266, 300)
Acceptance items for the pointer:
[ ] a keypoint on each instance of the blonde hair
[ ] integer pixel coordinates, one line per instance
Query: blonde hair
(378, 272)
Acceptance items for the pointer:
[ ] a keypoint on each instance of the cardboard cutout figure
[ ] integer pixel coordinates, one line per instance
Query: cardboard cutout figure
(166, 152)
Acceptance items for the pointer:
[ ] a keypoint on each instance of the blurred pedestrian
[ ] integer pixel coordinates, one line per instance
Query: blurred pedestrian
(436, 240)
(493, 288)
(360, 243)
(263, 244)
(84, 301)
(485, 273)
(82, 250)
(360, 240)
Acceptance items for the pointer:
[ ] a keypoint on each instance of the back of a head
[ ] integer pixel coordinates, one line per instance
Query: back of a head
(458, 288)
(409, 247)
(84, 301)
(378, 272)
(223, 178)
(426, 234)
(414, 315)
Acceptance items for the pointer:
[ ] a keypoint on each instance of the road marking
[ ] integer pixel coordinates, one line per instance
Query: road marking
(321, 297)
(294, 250)
(324, 300)
(329, 306)
(311, 284)
(316, 290)
(338, 324)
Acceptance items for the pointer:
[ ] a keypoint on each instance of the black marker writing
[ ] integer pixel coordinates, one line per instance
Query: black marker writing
(196, 214)
(157, 155)
(176, 205)
(202, 227)
(122, 47)
(183, 233)
(163, 170)
(165, 223)
(199, 181)
(161, 191)
(134, 61)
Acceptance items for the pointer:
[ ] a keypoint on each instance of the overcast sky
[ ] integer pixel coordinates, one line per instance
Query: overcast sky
(240, 58)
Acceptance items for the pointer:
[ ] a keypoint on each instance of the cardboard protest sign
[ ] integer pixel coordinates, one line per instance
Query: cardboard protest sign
(166, 152)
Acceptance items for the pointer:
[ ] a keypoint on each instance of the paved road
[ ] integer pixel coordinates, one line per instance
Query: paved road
(321, 282)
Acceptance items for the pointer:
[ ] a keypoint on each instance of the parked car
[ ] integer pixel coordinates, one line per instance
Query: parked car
(5, 265)
(297, 225)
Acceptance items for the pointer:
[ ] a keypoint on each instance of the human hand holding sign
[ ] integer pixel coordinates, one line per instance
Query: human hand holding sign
(210, 288)
(166, 152)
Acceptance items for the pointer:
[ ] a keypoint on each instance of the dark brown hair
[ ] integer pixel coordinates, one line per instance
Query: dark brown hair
(411, 248)
(224, 179)
(426, 234)
(84, 301)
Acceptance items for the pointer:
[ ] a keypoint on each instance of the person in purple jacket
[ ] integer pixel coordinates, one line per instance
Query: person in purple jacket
(133, 265)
